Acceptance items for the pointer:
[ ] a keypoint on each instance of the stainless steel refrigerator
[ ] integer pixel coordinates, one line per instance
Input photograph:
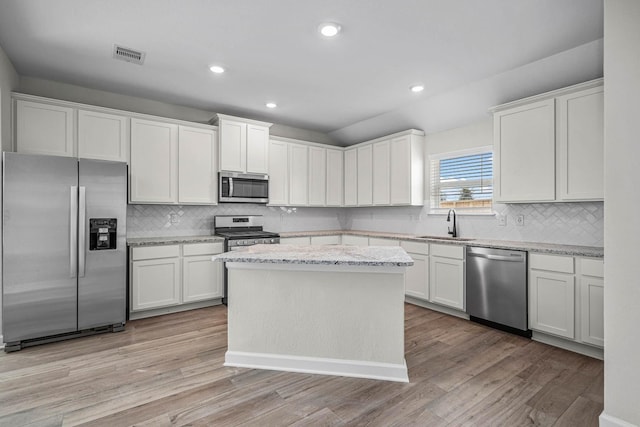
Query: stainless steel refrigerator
(63, 248)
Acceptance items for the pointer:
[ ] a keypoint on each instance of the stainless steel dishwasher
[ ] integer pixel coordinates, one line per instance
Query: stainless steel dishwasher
(497, 288)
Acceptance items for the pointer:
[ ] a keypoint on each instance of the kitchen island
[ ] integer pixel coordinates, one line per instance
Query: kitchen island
(335, 310)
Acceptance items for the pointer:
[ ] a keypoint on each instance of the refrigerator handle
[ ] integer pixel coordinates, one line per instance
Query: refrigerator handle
(82, 226)
(73, 231)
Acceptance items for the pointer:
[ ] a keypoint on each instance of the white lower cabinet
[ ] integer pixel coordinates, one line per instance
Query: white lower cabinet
(551, 303)
(155, 277)
(166, 276)
(592, 301)
(416, 279)
(446, 276)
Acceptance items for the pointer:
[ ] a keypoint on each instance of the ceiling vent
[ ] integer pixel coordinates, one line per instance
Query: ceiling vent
(129, 55)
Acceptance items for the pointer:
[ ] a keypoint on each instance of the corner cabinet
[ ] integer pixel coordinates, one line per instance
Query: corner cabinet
(351, 177)
(549, 147)
(244, 144)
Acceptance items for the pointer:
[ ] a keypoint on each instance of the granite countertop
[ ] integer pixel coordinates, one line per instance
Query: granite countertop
(549, 248)
(388, 256)
(172, 240)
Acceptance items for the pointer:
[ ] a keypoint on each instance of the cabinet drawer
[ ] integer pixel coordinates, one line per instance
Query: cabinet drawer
(202, 248)
(561, 264)
(151, 252)
(592, 267)
(448, 251)
(376, 241)
(415, 247)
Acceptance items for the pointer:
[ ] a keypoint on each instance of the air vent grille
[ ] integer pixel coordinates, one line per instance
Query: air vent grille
(128, 55)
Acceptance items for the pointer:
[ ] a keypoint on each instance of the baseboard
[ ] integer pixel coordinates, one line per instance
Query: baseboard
(609, 421)
(576, 347)
(436, 307)
(318, 365)
(135, 315)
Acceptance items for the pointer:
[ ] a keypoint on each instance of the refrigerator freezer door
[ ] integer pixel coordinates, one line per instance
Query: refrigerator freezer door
(39, 286)
(102, 281)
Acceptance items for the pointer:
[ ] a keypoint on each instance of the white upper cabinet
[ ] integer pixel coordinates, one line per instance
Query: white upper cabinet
(43, 128)
(197, 166)
(381, 173)
(103, 136)
(244, 145)
(154, 162)
(317, 176)
(365, 175)
(278, 173)
(335, 177)
(549, 147)
(407, 169)
(298, 175)
(351, 177)
(524, 151)
(581, 145)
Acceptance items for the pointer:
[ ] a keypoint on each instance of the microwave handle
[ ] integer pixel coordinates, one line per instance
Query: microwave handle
(230, 187)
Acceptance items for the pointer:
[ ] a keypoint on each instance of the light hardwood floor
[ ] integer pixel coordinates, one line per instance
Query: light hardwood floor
(168, 370)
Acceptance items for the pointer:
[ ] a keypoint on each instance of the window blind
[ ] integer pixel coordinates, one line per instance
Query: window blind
(462, 180)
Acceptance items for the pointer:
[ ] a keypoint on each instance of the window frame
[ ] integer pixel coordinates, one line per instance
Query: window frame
(437, 157)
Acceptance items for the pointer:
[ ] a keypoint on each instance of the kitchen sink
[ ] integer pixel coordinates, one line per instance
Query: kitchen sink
(454, 239)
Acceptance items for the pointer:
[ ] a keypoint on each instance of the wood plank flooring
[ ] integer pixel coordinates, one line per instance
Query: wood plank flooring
(167, 371)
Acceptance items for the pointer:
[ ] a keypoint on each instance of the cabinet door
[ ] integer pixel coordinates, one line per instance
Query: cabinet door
(233, 145)
(317, 176)
(592, 308)
(551, 303)
(44, 129)
(335, 180)
(351, 177)
(446, 282)
(301, 241)
(278, 173)
(401, 170)
(155, 283)
(524, 153)
(581, 145)
(202, 278)
(154, 162)
(365, 175)
(416, 279)
(197, 166)
(298, 175)
(381, 173)
(257, 149)
(103, 136)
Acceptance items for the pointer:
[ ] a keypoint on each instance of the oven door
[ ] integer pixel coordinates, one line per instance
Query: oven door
(243, 188)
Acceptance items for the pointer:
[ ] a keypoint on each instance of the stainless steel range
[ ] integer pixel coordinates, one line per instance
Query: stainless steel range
(240, 231)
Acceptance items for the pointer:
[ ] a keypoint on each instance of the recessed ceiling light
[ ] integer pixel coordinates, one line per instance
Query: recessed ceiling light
(271, 105)
(417, 88)
(329, 29)
(217, 69)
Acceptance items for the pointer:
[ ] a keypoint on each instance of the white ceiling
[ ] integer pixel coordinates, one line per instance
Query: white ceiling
(272, 51)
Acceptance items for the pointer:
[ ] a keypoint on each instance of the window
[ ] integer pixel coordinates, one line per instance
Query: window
(462, 180)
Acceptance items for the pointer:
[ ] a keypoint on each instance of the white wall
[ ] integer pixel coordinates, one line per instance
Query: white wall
(622, 225)
(8, 82)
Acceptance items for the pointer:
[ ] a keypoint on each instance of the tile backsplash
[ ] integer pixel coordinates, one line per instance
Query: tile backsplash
(566, 223)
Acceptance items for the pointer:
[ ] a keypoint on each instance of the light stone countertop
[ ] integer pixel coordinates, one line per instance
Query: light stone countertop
(172, 240)
(548, 248)
(387, 256)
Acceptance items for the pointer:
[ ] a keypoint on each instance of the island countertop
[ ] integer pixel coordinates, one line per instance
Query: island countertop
(382, 256)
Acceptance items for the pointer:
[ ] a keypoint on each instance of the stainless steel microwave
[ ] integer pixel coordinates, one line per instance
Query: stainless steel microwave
(243, 188)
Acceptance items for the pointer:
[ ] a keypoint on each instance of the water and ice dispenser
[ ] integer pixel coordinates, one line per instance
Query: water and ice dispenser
(102, 233)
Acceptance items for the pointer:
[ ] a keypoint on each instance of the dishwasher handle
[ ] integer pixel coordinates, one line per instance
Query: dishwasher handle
(510, 257)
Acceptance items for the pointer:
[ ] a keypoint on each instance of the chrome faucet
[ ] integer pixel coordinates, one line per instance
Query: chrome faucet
(453, 232)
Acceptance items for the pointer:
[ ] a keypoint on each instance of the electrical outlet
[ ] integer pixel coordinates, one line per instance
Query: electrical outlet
(502, 220)
(174, 218)
(520, 220)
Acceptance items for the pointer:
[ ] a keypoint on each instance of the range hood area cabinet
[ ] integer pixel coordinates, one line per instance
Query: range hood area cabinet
(550, 147)
(304, 173)
(387, 171)
(244, 144)
(58, 128)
